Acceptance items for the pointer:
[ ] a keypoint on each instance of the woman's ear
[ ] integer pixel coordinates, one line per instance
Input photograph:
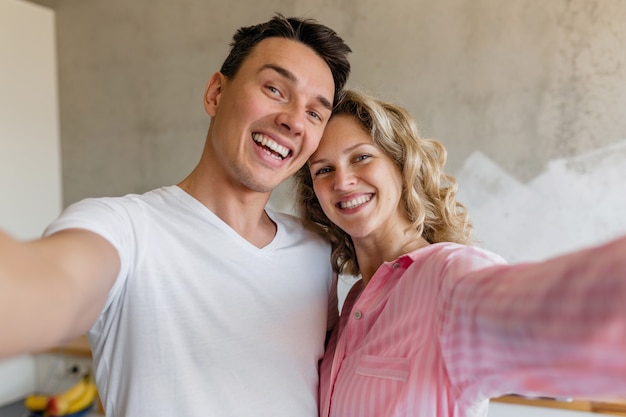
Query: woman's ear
(213, 93)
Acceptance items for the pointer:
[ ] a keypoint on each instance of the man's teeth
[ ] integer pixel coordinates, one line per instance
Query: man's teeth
(271, 144)
(355, 202)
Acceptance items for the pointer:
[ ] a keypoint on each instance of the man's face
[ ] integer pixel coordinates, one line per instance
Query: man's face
(269, 118)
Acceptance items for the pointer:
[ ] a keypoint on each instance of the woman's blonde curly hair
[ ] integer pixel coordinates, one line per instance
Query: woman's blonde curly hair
(429, 194)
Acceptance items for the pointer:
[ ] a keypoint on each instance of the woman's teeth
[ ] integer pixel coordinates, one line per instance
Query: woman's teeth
(271, 144)
(355, 202)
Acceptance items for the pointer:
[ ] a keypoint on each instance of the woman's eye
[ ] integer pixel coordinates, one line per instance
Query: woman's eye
(322, 171)
(361, 158)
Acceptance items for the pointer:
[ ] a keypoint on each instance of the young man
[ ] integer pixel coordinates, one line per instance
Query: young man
(197, 300)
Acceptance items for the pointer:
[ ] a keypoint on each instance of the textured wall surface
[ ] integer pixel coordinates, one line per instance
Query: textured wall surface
(30, 155)
(575, 202)
(520, 84)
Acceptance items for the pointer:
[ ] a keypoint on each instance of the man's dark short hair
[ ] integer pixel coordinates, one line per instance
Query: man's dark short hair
(323, 40)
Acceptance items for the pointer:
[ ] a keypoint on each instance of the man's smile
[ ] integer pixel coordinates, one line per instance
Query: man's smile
(274, 147)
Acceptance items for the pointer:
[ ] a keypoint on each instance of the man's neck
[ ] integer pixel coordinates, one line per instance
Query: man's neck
(243, 210)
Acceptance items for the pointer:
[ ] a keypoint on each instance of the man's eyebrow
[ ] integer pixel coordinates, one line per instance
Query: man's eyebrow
(292, 78)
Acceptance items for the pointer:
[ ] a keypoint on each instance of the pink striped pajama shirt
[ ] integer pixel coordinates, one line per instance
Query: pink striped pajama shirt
(441, 330)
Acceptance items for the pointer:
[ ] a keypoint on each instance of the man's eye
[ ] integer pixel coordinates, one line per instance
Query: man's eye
(315, 115)
(273, 90)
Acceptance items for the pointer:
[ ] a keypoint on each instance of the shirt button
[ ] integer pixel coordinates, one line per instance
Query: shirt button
(358, 315)
(396, 265)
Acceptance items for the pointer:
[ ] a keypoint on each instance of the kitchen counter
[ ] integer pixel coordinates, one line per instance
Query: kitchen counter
(77, 347)
(17, 409)
(615, 407)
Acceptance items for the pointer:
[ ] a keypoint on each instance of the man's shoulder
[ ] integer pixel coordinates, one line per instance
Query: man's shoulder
(162, 193)
(283, 217)
(158, 198)
(113, 209)
(294, 227)
(290, 222)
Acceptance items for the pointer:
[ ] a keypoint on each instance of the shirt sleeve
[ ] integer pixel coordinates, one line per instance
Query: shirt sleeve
(109, 218)
(555, 328)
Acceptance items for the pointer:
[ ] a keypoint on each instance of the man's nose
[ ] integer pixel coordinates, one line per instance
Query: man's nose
(292, 118)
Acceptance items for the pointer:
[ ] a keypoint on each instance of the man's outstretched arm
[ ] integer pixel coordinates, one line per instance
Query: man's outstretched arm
(52, 289)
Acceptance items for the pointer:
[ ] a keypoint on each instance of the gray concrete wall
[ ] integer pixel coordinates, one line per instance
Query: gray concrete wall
(520, 83)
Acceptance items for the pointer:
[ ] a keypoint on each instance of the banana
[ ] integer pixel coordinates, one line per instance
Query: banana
(36, 402)
(77, 398)
(59, 404)
(86, 400)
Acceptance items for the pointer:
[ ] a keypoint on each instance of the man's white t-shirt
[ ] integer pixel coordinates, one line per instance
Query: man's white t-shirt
(200, 322)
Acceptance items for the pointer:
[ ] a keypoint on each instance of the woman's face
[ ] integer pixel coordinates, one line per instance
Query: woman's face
(357, 185)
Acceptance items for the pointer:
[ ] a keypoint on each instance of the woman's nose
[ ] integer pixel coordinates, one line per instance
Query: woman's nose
(344, 179)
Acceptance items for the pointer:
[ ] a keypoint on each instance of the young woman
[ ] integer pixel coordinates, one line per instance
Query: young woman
(436, 327)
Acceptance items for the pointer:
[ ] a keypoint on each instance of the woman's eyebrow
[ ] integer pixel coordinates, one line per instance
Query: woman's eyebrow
(345, 151)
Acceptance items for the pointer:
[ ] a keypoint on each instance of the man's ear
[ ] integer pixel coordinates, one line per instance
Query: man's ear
(213, 93)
